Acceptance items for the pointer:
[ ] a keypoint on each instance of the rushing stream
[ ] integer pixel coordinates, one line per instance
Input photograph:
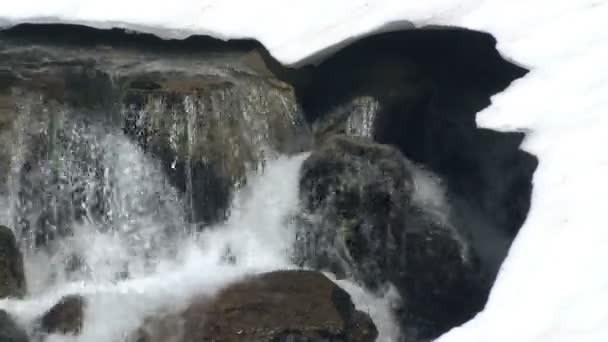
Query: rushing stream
(117, 232)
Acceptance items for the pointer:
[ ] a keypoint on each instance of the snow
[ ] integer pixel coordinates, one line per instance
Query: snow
(553, 285)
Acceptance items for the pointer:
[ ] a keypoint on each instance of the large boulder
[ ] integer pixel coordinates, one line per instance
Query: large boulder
(276, 306)
(12, 276)
(9, 330)
(356, 193)
(372, 215)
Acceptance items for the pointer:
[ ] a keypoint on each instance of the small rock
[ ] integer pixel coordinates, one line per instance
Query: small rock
(9, 330)
(66, 317)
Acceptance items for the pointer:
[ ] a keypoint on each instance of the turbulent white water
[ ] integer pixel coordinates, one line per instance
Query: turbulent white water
(140, 256)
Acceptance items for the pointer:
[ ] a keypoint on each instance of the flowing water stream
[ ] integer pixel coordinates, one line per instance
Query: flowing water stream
(96, 216)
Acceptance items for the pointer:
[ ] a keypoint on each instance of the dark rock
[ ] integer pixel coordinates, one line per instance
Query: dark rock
(419, 91)
(364, 219)
(427, 86)
(9, 330)
(360, 191)
(346, 99)
(66, 317)
(276, 306)
(12, 276)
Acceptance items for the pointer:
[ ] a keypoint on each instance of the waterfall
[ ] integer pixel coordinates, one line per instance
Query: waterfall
(254, 239)
(85, 201)
(117, 232)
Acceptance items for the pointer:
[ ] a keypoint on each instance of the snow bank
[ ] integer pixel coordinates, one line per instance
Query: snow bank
(553, 286)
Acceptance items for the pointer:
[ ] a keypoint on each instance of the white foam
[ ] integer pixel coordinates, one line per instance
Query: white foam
(258, 234)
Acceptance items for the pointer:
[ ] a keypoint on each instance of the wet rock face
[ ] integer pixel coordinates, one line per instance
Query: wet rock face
(65, 317)
(210, 130)
(12, 277)
(208, 113)
(365, 219)
(356, 194)
(276, 306)
(343, 98)
(9, 330)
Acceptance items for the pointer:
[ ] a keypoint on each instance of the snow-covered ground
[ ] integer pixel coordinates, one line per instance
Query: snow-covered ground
(553, 286)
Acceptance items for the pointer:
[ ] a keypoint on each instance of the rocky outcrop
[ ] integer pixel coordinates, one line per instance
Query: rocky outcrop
(420, 91)
(276, 306)
(65, 317)
(364, 219)
(360, 192)
(9, 330)
(12, 276)
(211, 129)
(208, 117)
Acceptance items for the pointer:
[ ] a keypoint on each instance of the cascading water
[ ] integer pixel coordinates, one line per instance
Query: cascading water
(76, 182)
(139, 173)
(115, 231)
